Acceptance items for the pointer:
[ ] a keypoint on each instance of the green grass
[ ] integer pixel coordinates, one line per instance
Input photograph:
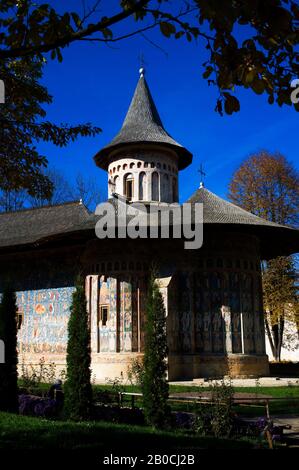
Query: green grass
(22, 432)
(276, 407)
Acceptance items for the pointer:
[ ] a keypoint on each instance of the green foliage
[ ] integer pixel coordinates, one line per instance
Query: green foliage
(8, 334)
(33, 377)
(22, 125)
(251, 44)
(24, 432)
(280, 299)
(154, 382)
(216, 419)
(135, 372)
(78, 391)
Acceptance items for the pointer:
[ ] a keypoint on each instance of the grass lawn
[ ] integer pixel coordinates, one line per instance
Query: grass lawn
(22, 432)
(278, 407)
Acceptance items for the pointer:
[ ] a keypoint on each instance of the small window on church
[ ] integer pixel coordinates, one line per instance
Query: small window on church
(20, 317)
(104, 314)
(129, 186)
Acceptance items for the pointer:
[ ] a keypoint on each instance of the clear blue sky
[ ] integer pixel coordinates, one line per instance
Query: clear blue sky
(95, 83)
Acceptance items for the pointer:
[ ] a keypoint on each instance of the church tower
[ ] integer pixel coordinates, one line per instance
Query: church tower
(143, 160)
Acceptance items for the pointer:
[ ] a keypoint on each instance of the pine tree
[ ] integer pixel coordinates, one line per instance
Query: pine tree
(8, 334)
(154, 384)
(78, 391)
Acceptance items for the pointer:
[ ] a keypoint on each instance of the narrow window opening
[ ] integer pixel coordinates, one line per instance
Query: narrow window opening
(104, 314)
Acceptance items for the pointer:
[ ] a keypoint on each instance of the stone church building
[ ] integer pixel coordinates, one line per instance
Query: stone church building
(212, 295)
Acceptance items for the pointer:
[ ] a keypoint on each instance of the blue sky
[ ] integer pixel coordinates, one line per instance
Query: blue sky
(95, 83)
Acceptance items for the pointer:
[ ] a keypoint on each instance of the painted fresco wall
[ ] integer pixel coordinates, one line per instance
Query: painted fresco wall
(45, 317)
(212, 306)
(108, 296)
(125, 316)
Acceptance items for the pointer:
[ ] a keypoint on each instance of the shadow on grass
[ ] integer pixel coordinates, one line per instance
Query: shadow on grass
(21, 432)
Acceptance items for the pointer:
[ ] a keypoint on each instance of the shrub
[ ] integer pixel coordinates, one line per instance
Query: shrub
(154, 381)
(78, 391)
(217, 418)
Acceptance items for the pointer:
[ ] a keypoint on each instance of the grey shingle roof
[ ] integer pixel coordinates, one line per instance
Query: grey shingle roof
(31, 225)
(219, 211)
(143, 125)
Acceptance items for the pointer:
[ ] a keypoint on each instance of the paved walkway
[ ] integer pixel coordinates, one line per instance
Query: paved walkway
(263, 382)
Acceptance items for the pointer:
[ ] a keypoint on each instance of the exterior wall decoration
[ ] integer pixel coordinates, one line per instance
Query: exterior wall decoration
(45, 317)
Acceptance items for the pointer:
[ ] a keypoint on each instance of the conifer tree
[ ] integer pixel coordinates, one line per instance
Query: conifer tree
(8, 369)
(154, 382)
(78, 391)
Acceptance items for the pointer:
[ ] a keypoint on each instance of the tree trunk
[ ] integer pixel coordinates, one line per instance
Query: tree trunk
(275, 336)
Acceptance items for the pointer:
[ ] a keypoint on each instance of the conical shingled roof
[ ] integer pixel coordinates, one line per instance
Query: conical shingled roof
(143, 125)
(275, 239)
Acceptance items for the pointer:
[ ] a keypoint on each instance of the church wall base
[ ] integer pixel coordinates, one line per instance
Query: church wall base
(180, 367)
(103, 366)
(112, 365)
(189, 366)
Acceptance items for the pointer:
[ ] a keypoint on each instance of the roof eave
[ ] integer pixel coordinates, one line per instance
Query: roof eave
(102, 158)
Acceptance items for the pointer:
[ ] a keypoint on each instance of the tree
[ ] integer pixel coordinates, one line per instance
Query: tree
(11, 200)
(280, 299)
(78, 391)
(22, 125)
(88, 190)
(154, 382)
(61, 190)
(8, 334)
(251, 44)
(268, 186)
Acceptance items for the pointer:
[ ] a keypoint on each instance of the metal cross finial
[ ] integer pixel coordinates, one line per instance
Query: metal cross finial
(141, 64)
(202, 175)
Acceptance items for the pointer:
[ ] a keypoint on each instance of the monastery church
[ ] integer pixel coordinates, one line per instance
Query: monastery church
(212, 295)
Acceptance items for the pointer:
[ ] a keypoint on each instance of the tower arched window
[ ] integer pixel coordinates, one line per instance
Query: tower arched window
(116, 184)
(155, 186)
(142, 186)
(165, 188)
(174, 190)
(129, 186)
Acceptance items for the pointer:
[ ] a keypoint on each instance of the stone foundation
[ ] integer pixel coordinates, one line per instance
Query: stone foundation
(189, 366)
(180, 367)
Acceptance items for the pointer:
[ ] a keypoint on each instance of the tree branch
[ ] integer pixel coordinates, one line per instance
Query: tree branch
(75, 36)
